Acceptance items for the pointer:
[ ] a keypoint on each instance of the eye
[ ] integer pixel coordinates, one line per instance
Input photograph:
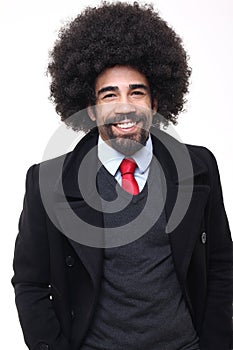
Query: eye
(138, 93)
(111, 95)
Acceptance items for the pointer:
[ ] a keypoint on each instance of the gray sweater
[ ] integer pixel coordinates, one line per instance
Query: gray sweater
(141, 304)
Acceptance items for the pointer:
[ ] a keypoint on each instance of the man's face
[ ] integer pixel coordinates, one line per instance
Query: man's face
(123, 108)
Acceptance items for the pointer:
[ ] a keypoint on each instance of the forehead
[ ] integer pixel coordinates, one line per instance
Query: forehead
(120, 76)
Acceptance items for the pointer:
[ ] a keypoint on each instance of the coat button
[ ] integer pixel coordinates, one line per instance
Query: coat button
(70, 261)
(203, 237)
(72, 314)
(44, 347)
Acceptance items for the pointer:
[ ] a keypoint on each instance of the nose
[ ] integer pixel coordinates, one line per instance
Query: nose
(124, 107)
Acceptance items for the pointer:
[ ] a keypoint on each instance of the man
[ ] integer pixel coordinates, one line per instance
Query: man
(138, 255)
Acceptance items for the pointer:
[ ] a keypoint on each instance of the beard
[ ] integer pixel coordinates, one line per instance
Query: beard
(129, 143)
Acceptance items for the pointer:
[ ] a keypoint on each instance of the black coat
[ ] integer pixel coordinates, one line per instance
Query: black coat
(57, 280)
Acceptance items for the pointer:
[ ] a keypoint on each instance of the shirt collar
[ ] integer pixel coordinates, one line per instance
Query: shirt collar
(112, 159)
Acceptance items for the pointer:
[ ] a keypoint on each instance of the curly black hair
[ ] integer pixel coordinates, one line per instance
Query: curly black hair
(117, 34)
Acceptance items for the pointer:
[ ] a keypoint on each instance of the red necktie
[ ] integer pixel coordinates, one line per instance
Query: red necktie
(127, 169)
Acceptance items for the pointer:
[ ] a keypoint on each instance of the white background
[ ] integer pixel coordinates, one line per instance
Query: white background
(28, 30)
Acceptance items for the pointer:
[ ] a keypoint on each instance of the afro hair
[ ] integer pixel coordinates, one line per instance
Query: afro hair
(117, 34)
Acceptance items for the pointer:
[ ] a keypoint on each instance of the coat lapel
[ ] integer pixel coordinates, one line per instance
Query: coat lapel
(70, 196)
(187, 194)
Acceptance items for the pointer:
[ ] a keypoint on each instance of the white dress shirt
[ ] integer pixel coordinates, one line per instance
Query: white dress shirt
(111, 160)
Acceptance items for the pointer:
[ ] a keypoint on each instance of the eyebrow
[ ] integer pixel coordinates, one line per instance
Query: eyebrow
(107, 88)
(138, 86)
(116, 88)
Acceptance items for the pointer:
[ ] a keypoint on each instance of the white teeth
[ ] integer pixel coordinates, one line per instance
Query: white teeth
(126, 125)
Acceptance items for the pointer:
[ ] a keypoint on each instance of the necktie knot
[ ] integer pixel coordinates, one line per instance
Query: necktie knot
(127, 169)
(128, 166)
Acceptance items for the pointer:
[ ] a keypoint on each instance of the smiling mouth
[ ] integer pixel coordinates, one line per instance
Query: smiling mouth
(125, 124)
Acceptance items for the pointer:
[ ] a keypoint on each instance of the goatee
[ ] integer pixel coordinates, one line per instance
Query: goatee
(130, 142)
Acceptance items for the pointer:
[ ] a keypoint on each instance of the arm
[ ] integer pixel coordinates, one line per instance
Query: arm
(31, 278)
(217, 326)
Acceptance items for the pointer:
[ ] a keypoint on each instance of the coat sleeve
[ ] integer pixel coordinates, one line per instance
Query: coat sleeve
(31, 278)
(217, 326)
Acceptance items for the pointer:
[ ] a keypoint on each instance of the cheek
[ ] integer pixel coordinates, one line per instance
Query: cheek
(145, 106)
(102, 112)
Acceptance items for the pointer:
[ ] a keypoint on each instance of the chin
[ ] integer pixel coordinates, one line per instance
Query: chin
(127, 145)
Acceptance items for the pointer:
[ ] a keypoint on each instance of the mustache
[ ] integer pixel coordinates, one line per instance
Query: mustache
(121, 117)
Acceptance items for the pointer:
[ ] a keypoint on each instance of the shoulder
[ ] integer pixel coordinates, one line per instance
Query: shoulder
(200, 156)
(48, 173)
(205, 155)
(33, 172)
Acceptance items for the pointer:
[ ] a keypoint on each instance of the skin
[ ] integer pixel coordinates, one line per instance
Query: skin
(123, 111)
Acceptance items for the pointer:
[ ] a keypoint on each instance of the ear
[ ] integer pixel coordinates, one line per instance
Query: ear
(91, 113)
(155, 105)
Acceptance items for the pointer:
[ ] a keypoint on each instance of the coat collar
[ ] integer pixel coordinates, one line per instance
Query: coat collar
(163, 146)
